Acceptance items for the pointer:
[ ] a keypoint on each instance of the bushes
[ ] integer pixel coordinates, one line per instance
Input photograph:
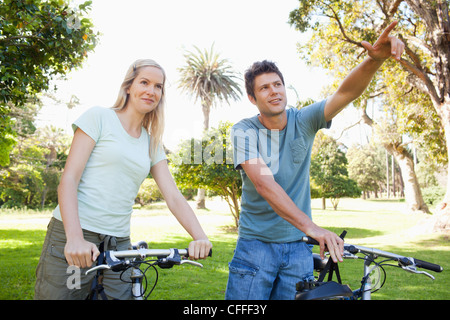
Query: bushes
(433, 195)
(148, 192)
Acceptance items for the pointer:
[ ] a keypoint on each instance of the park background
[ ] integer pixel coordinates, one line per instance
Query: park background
(241, 32)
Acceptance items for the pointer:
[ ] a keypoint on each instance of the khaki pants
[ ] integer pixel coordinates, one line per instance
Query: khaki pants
(55, 280)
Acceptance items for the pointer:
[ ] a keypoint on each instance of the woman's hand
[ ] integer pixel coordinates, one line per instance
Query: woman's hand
(80, 253)
(199, 249)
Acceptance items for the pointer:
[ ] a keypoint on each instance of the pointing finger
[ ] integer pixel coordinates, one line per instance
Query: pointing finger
(389, 29)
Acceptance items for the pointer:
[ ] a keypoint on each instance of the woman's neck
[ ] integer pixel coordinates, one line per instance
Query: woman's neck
(131, 122)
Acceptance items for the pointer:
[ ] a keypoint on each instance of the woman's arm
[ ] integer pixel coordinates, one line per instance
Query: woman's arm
(177, 204)
(78, 251)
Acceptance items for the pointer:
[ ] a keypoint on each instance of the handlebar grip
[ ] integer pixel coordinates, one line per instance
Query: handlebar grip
(427, 265)
(209, 254)
(310, 240)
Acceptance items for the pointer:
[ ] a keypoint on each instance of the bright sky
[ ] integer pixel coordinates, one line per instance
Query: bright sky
(243, 31)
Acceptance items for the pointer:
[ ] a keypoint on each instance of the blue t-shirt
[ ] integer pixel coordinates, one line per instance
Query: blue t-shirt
(116, 168)
(287, 153)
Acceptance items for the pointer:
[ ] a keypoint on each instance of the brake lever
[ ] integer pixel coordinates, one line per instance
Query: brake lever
(408, 264)
(413, 269)
(100, 267)
(194, 263)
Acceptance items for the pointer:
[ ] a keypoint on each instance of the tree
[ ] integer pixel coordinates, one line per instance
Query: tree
(424, 27)
(340, 34)
(329, 171)
(365, 166)
(210, 79)
(33, 175)
(39, 41)
(208, 164)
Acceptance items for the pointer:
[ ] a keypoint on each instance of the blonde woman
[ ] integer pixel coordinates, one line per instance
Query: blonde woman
(112, 152)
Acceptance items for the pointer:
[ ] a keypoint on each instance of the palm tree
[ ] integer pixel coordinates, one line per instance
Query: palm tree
(210, 79)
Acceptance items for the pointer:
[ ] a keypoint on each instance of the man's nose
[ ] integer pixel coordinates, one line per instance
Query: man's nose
(274, 90)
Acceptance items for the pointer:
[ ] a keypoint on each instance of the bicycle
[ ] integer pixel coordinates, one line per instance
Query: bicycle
(373, 278)
(137, 256)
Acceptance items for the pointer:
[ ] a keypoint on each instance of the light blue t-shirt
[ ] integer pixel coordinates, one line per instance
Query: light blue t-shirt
(116, 168)
(287, 153)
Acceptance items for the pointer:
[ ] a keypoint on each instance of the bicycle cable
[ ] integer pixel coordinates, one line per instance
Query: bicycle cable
(366, 277)
(144, 282)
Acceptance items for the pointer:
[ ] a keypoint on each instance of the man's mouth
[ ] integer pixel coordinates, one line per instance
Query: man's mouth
(278, 100)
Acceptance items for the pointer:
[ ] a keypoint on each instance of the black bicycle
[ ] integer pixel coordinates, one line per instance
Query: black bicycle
(373, 279)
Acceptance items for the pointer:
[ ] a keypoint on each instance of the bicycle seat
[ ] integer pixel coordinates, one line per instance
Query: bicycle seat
(314, 290)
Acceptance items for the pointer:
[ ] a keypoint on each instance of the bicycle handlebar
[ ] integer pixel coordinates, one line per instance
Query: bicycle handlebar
(404, 261)
(117, 260)
(427, 265)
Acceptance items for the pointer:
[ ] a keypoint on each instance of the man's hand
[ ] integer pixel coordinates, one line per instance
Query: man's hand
(386, 46)
(328, 241)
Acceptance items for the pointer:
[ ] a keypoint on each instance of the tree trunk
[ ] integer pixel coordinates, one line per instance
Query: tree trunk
(201, 196)
(201, 193)
(436, 17)
(442, 219)
(413, 194)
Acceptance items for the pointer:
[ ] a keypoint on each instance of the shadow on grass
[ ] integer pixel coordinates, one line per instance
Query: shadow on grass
(356, 233)
(19, 254)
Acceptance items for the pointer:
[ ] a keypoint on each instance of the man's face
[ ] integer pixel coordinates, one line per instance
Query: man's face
(270, 94)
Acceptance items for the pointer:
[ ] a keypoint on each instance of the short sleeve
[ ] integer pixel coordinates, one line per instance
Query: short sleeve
(314, 116)
(157, 156)
(245, 144)
(90, 122)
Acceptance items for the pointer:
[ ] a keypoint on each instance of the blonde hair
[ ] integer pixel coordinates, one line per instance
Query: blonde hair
(153, 121)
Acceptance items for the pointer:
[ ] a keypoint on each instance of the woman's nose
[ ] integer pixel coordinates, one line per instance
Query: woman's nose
(150, 90)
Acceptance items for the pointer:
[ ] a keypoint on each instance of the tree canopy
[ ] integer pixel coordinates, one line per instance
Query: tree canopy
(208, 164)
(423, 74)
(211, 79)
(39, 41)
(329, 170)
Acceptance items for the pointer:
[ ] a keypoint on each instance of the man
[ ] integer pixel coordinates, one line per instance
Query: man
(273, 151)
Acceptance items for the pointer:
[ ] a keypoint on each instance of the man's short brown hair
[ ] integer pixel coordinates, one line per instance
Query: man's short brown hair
(255, 70)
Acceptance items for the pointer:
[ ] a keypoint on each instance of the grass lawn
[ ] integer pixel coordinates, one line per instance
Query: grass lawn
(378, 224)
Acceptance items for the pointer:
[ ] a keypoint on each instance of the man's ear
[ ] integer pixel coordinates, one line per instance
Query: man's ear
(252, 100)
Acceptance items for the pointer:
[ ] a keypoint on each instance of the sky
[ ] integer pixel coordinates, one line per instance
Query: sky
(242, 31)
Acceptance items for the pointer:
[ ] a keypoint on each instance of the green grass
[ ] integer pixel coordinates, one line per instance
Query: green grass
(379, 224)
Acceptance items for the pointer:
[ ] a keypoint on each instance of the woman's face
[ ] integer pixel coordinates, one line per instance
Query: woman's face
(146, 90)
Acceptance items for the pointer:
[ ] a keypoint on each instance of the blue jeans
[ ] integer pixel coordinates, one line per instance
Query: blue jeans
(262, 270)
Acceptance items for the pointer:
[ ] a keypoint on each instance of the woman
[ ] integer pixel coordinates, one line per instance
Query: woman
(111, 154)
